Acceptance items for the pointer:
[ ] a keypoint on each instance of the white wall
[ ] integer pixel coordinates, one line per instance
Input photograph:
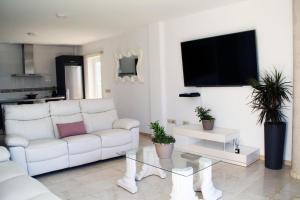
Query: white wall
(157, 98)
(272, 20)
(131, 99)
(44, 59)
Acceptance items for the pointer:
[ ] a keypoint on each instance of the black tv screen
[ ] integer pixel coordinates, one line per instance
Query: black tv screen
(227, 60)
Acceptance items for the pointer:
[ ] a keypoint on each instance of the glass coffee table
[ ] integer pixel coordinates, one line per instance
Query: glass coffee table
(183, 166)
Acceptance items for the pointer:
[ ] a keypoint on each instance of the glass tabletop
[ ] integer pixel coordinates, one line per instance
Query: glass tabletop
(179, 160)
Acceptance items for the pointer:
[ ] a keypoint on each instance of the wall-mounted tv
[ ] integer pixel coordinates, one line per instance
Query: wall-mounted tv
(227, 60)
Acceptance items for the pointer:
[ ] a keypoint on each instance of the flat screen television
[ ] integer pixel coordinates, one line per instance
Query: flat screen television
(227, 60)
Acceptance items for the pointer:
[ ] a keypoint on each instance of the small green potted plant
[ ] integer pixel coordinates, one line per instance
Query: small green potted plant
(204, 115)
(269, 96)
(164, 144)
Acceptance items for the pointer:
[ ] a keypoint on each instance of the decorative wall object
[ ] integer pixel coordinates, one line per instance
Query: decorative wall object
(129, 66)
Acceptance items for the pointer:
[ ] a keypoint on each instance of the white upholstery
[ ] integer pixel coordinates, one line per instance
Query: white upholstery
(16, 185)
(26, 112)
(21, 188)
(45, 149)
(114, 137)
(30, 129)
(34, 142)
(78, 144)
(13, 169)
(99, 121)
(69, 107)
(126, 123)
(16, 141)
(111, 152)
(81, 153)
(40, 167)
(18, 155)
(64, 112)
(83, 158)
(4, 154)
(96, 105)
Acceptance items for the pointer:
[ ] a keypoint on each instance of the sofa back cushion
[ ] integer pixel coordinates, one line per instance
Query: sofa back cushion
(98, 114)
(31, 121)
(64, 112)
(96, 105)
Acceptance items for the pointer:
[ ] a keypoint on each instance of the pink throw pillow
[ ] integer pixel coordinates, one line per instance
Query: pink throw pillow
(71, 129)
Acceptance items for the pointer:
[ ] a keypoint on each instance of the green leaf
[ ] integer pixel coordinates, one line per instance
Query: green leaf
(160, 135)
(203, 113)
(269, 96)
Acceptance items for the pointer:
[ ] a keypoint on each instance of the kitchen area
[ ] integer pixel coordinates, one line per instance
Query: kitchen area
(28, 74)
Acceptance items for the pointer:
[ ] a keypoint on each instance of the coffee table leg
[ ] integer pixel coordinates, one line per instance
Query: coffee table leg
(150, 157)
(183, 185)
(128, 181)
(204, 182)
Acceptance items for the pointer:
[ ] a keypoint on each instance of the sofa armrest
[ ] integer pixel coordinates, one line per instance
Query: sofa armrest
(126, 123)
(4, 154)
(16, 141)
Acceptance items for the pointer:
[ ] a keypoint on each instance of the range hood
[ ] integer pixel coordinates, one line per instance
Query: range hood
(28, 62)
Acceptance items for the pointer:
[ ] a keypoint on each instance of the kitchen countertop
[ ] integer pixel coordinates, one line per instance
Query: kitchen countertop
(31, 100)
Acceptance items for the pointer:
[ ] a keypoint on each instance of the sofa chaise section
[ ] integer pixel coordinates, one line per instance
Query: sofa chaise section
(15, 184)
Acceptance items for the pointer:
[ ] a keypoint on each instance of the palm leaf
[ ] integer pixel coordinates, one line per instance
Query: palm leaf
(269, 96)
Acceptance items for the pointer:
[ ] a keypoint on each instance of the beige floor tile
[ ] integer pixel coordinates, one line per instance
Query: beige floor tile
(97, 181)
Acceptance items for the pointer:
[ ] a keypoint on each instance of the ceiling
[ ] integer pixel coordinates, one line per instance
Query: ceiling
(87, 20)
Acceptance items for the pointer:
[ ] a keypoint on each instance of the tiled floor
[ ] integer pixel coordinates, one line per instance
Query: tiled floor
(97, 181)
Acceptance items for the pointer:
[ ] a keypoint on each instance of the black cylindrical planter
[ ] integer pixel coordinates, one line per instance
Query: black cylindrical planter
(274, 144)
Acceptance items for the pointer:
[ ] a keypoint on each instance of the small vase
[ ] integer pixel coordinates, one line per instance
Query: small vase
(208, 124)
(164, 151)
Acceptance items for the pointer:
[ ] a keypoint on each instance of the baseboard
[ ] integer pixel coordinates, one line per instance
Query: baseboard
(146, 134)
(285, 162)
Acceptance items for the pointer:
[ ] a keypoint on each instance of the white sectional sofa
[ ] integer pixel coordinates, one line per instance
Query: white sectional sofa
(33, 140)
(15, 184)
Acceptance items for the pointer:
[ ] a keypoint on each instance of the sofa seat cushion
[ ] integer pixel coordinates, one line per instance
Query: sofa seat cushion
(45, 149)
(10, 170)
(21, 188)
(114, 137)
(82, 143)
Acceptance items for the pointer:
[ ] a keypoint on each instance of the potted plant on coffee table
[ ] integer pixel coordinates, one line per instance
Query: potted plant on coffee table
(204, 115)
(268, 98)
(164, 144)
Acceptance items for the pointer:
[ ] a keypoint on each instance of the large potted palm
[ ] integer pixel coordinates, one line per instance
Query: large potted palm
(268, 98)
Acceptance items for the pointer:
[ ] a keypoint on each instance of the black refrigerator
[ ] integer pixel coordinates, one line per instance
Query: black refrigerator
(70, 77)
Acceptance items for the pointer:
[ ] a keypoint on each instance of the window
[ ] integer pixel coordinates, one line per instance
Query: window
(93, 69)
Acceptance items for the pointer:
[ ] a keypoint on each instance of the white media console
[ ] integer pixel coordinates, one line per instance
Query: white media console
(217, 143)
